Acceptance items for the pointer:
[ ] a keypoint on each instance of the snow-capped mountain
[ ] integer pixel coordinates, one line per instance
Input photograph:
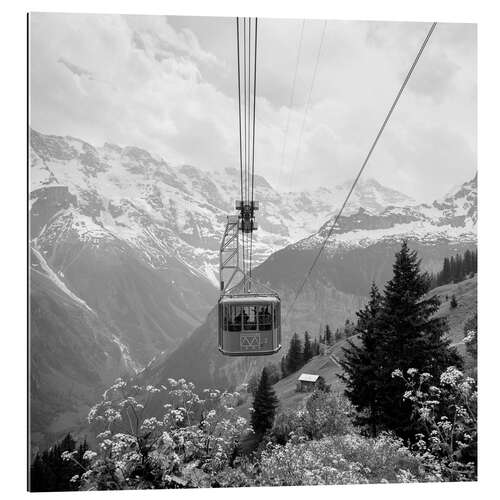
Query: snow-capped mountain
(114, 213)
(361, 250)
(178, 212)
(437, 230)
(453, 218)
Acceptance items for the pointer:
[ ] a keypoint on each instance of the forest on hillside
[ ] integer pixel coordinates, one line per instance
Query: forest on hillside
(456, 268)
(408, 412)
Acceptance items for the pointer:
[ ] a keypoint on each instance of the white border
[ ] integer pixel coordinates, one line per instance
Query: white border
(13, 228)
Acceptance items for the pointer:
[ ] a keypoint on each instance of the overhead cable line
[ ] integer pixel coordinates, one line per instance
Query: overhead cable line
(253, 134)
(254, 95)
(308, 103)
(370, 151)
(239, 99)
(290, 106)
(246, 74)
(245, 102)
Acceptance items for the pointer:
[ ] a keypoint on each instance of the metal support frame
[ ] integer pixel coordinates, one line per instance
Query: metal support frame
(229, 255)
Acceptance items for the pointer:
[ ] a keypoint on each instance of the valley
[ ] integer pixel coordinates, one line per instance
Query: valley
(125, 256)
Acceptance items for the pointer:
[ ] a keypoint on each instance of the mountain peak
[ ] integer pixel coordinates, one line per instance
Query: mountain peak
(459, 190)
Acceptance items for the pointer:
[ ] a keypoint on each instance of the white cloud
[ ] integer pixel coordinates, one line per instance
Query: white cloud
(169, 85)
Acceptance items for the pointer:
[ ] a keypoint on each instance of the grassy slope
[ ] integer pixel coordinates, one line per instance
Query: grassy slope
(466, 295)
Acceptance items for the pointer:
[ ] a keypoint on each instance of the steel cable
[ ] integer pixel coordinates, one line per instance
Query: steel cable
(290, 106)
(308, 103)
(370, 151)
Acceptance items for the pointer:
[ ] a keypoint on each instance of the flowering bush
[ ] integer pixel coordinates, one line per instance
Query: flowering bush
(325, 414)
(195, 442)
(188, 446)
(347, 459)
(448, 412)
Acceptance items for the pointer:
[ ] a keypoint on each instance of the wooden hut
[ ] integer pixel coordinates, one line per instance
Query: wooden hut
(308, 382)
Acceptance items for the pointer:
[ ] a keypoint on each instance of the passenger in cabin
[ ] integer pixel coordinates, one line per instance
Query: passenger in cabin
(265, 318)
(239, 319)
(235, 322)
(245, 316)
(249, 320)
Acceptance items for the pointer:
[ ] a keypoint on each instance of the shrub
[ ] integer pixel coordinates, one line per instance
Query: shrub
(325, 414)
(448, 412)
(187, 447)
(470, 336)
(348, 459)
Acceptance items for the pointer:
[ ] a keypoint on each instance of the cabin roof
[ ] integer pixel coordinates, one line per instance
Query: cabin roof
(307, 377)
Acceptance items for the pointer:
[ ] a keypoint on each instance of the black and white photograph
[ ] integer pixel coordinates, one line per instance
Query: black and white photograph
(252, 251)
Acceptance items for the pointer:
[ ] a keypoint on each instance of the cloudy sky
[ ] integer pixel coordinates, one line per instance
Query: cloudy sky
(169, 85)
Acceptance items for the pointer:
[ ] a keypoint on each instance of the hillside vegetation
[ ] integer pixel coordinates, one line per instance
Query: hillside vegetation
(407, 411)
(466, 295)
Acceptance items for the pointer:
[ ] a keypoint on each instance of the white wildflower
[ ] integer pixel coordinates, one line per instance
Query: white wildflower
(89, 455)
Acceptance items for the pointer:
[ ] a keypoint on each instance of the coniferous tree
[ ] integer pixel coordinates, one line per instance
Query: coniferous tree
(338, 335)
(412, 337)
(405, 335)
(308, 348)
(264, 405)
(284, 371)
(453, 302)
(468, 265)
(446, 272)
(460, 275)
(456, 268)
(328, 335)
(361, 362)
(316, 347)
(49, 472)
(294, 357)
(348, 329)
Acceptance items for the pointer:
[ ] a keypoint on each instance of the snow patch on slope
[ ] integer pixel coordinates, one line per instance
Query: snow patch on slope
(57, 281)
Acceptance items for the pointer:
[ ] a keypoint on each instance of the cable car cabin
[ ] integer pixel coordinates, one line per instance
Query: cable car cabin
(249, 325)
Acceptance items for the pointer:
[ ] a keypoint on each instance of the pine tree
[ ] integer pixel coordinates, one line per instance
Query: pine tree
(284, 371)
(49, 472)
(446, 272)
(468, 268)
(348, 329)
(316, 347)
(453, 302)
(308, 348)
(413, 338)
(338, 335)
(328, 335)
(456, 268)
(404, 334)
(361, 363)
(264, 405)
(294, 357)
